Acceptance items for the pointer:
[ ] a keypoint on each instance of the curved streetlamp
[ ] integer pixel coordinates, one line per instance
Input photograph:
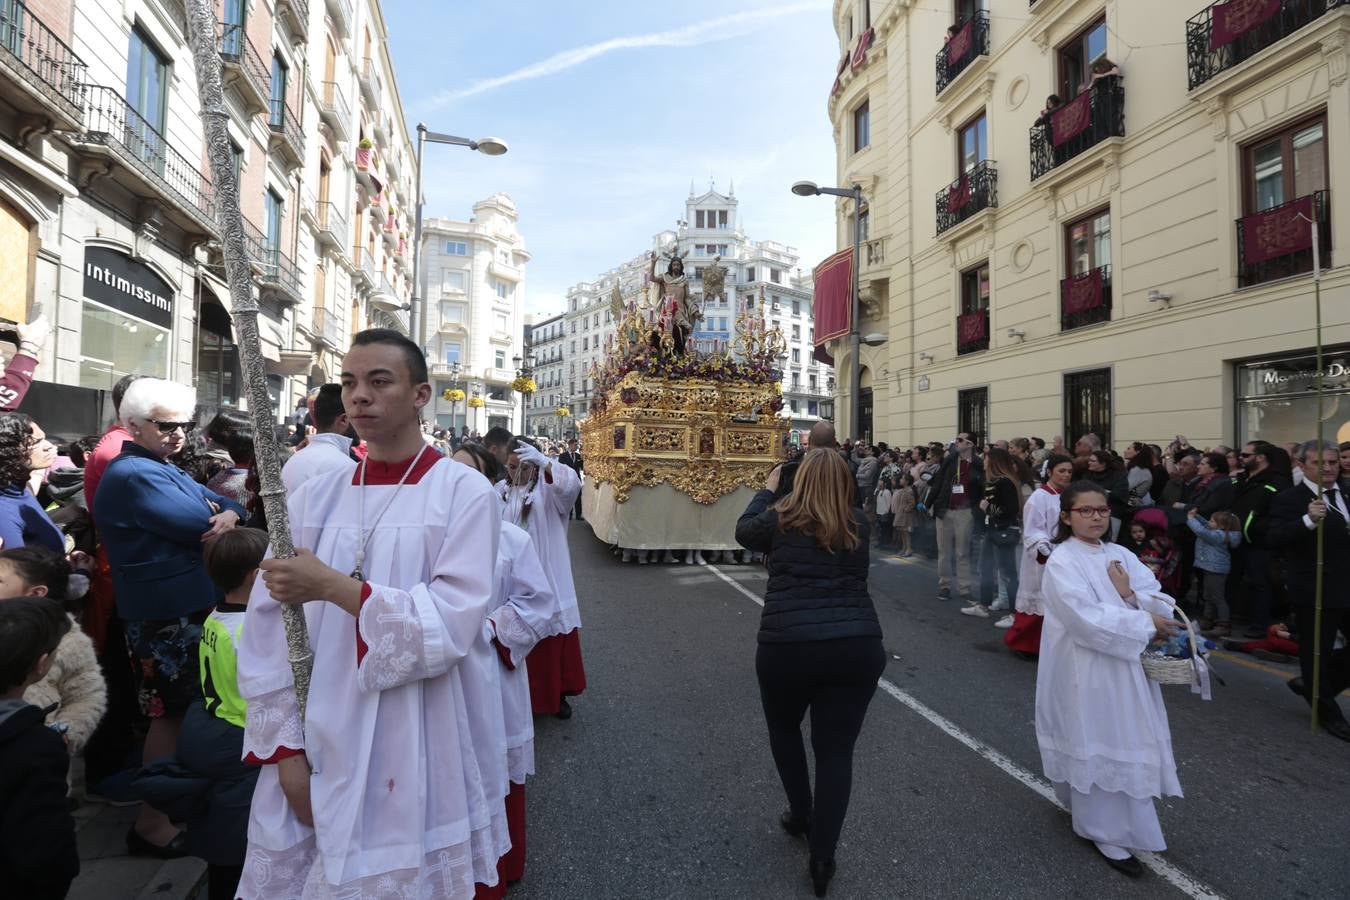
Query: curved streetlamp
(488, 146)
(811, 189)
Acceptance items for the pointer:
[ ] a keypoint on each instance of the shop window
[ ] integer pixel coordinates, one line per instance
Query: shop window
(1277, 398)
(218, 371)
(1087, 405)
(113, 345)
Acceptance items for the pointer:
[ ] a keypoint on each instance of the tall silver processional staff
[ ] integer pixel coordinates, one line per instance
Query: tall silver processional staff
(201, 25)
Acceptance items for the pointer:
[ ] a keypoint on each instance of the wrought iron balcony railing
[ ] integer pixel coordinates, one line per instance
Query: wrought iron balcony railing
(972, 332)
(241, 58)
(968, 43)
(328, 327)
(369, 79)
(112, 123)
(1219, 39)
(1277, 243)
(286, 133)
(40, 62)
(1085, 299)
(1092, 117)
(333, 109)
(297, 13)
(973, 191)
(332, 226)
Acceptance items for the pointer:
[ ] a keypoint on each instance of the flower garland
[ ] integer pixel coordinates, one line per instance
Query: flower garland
(476, 402)
(454, 395)
(563, 412)
(524, 384)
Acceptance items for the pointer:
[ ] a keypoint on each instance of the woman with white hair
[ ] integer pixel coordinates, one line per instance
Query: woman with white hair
(153, 520)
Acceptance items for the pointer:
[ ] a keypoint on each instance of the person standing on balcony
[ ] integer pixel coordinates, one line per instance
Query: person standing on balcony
(1102, 68)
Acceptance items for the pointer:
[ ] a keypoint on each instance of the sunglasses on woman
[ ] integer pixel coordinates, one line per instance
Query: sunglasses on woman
(171, 427)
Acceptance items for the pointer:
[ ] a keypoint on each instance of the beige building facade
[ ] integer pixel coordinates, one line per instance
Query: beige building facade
(1138, 261)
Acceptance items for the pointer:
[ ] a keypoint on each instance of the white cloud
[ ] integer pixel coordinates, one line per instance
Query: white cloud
(711, 30)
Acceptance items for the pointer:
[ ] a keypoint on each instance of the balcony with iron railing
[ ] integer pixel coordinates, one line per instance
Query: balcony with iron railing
(367, 274)
(45, 76)
(243, 68)
(369, 79)
(328, 327)
(972, 332)
(334, 111)
(1093, 117)
(296, 13)
(287, 138)
(330, 225)
(1225, 35)
(1085, 299)
(340, 14)
(968, 43)
(975, 190)
(146, 165)
(278, 275)
(1277, 243)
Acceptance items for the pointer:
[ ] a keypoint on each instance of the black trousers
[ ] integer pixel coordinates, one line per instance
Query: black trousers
(1335, 663)
(835, 680)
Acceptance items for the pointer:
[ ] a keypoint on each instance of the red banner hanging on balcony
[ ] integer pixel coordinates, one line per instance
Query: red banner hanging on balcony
(860, 53)
(839, 75)
(834, 297)
(971, 328)
(1278, 232)
(958, 196)
(1230, 21)
(960, 43)
(1083, 292)
(1071, 119)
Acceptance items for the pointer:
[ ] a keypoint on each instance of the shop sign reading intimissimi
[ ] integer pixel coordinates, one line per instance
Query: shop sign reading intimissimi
(115, 279)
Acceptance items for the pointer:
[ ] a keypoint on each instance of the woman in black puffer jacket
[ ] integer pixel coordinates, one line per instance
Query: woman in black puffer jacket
(819, 642)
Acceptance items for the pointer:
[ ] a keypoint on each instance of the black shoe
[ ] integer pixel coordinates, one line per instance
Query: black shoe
(1338, 728)
(1295, 684)
(797, 826)
(139, 846)
(1127, 866)
(564, 709)
(822, 870)
(944, 594)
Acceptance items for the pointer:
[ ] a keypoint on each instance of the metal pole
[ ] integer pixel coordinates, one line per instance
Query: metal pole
(1317, 584)
(201, 24)
(855, 410)
(418, 304)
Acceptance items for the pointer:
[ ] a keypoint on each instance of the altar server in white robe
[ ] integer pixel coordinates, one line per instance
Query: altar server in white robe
(1040, 521)
(391, 784)
(539, 492)
(1100, 723)
(522, 611)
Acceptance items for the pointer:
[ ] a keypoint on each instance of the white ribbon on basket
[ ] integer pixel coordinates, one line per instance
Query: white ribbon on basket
(1200, 683)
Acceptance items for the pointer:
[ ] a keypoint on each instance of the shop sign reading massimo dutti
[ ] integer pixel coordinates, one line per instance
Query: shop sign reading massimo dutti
(118, 281)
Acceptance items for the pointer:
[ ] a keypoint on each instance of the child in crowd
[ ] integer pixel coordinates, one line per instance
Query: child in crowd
(904, 502)
(72, 691)
(1155, 548)
(1213, 542)
(884, 516)
(206, 784)
(38, 856)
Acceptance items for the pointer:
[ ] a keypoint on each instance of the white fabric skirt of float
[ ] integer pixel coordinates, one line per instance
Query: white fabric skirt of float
(662, 518)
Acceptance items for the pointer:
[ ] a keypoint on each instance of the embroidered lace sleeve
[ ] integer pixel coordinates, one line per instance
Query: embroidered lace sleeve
(562, 491)
(273, 730)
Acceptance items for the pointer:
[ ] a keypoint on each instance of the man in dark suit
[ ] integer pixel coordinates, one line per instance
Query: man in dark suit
(1294, 517)
(571, 458)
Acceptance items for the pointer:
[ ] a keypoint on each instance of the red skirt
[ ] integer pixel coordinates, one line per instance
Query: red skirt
(556, 671)
(1025, 633)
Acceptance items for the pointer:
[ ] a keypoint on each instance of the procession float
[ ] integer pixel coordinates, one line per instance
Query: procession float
(678, 440)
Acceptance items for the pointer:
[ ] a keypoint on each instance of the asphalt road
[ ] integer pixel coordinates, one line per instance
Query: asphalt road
(662, 785)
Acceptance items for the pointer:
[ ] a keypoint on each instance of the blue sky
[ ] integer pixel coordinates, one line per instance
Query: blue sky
(610, 108)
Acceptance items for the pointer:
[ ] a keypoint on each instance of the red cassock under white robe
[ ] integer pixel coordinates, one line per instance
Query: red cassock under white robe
(404, 726)
(556, 668)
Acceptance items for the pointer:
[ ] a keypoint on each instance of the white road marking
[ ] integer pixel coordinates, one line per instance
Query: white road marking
(1183, 882)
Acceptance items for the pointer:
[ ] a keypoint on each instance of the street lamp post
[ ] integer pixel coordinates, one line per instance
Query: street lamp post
(455, 371)
(524, 369)
(490, 146)
(811, 189)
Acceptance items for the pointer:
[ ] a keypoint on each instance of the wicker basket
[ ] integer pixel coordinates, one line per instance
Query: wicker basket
(1168, 670)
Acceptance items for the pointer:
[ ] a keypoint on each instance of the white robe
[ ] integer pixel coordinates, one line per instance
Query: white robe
(523, 611)
(408, 775)
(1040, 519)
(1099, 721)
(547, 526)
